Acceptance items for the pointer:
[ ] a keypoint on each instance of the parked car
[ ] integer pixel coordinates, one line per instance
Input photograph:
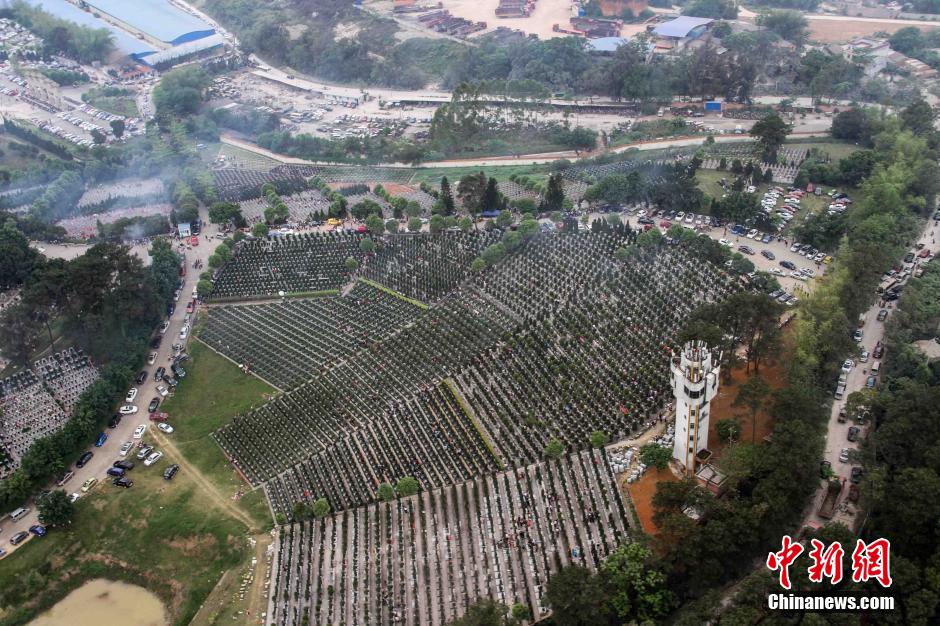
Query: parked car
(825, 469)
(153, 458)
(115, 471)
(154, 403)
(125, 448)
(158, 375)
(164, 427)
(101, 439)
(88, 484)
(864, 357)
(66, 477)
(73, 497)
(847, 366)
(152, 358)
(123, 481)
(870, 383)
(131, 395)
(19, 538)
(853, 433)
(162, 390)
(844, 455)
(767, 254)
(882, 315)
(856, 475)
(788, 265)
(139, 431)
(83, 459)
(124, 465)
(144, 452)
(115, 420)
(879, 351)
(39, 530)
(170, 472)
(857, 335)
(141, 377)
(128, 409)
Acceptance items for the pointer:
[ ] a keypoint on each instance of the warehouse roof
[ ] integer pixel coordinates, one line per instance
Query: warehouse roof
(67, 11)
(184, 49)
(681, 26)
(157, 18)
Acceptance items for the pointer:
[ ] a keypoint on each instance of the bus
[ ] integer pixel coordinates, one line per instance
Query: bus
(887, 284)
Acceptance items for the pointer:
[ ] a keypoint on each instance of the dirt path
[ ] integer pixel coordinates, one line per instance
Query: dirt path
(226, 598)
(207, 485)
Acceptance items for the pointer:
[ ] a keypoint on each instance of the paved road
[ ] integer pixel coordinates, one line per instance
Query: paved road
(837, 434)
(108, 453)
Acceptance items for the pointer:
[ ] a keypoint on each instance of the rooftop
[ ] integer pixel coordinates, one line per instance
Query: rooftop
(605, 44)
(681, 26)
(157, 18)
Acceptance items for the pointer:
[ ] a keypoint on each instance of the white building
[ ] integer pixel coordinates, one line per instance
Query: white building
(694, 384)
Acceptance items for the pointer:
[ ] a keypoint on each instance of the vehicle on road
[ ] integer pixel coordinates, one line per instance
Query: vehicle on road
(125, 448)
(128, 409)
(828, 506)
(154, 403)
(152, 358)
(19, 538)
(856, 475)
(101, 439)
(115, 420)
(84, 458)
(159, 374)
(844, 455)
(141, 377)
(767, 254)
(788, 265)
(88, 484)
(131, 395)
(139, 431)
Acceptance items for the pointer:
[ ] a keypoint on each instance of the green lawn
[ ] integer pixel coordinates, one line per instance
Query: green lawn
(214, 391)
(835, 149)
(433, 175)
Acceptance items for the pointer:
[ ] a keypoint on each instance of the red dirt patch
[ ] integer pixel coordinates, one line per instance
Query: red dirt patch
(397, 189)
(642, 492)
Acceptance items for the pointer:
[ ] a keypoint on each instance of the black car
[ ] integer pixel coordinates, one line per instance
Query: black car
(746, 249)
(154, 403)
(156, 341)
(158, 375)
(170, 308)
(856, 475)
(178, 371)
(909, 257)
(882, 315)
(123, 481)
(141, 377)
(879, 350)
(789, 265)
(170, 472)
(172, 382)
(83, 459)
(124, 465)
(767, 254)
(115, 420)
(853, 433)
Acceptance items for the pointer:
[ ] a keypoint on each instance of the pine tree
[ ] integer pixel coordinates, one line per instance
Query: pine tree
(554, 194)
(447, 197)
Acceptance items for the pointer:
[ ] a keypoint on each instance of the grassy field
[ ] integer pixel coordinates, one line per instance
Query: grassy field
(175, 538)
(500, 173)
(835, 149)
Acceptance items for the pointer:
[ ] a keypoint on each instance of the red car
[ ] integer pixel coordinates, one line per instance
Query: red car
(194, 240)
(924, 253)
(360, 229)
(665, 224)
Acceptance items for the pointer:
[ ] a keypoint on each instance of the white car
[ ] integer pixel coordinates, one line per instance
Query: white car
(153, 458)
(74, 496)
(726, 242)
(777, 271)
(125, 448)
(844, 455)
(152, 358)
(183, 332)
(847, 366)
(164, 327)
(751, 233)
(808, 272)
(128, 409)
(165, 428)
(864, 357)
(798, 276)
(139, 431)
(162, 390)
(131, 395)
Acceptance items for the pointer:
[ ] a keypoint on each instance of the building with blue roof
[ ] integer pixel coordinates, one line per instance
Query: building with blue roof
(123, 41)
(605, 45)
(157, 18)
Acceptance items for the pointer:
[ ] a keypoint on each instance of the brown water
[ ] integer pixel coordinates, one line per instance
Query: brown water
(105, 603)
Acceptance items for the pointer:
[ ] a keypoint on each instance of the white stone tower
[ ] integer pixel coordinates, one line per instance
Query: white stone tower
(694, 385)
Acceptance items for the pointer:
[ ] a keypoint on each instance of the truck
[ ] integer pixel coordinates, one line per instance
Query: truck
(738, 129)
(828, 506)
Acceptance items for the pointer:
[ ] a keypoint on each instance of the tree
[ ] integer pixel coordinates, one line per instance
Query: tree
(385, 492)
(520, 612)
(470, 190)
(771, 131)
(752, 394)
(181, 91)
(117, 127)
(414, 224)
(715, 9)
(224, 212)
(919, 117)
(375, 225)
(362, 209)
(599, 439)
(436, 224)
(446, 197)
(465, 224)
(789, 24)
(728, 430)
(392, 226)
(97, 136)
(491, 200)
(407, 486)
(351, 264)
(56, 509)
(577, 597)
(639, 591)
(321, 508)
(203, 289)
(504, 219)
(555, 449)
(366, 245)
(649, 238)
(484, 612)
(655, 455)
(554, 193)
(260, 230)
